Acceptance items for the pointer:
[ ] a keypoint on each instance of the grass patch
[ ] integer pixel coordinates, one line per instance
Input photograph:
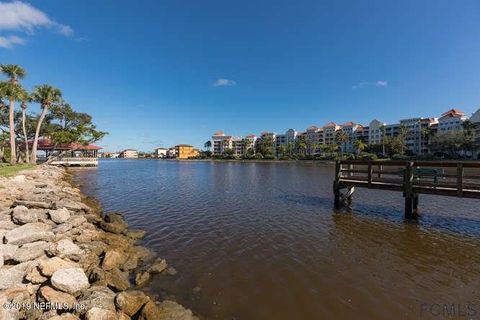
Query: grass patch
(7, 170)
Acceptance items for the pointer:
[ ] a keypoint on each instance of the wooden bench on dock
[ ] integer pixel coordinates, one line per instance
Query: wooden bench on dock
(446, 178)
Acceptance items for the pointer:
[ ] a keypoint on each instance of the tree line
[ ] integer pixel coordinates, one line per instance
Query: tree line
(57, 120)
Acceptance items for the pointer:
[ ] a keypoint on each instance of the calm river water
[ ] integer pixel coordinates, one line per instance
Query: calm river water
(261, 241)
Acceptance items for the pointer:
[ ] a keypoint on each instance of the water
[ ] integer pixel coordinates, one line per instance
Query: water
(261, 241)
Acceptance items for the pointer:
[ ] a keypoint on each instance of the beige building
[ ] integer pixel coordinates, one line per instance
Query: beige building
(185, 151)
(129, 154)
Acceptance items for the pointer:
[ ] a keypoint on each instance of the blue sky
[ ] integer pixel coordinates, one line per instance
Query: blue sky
(158, 73)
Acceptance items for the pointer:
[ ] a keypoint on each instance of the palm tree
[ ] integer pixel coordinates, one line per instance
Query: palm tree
(245, 145)
(360, 146)
(45, 95)
(383, 129)
(343, 138)
(14, 72)
(24, 111)
(403, 133)
(208, 145)
(425, 134)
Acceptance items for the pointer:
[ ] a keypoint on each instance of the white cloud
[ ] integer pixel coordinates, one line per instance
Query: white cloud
(23, 17)
(379, 83)
(224, 83)
(10, 41)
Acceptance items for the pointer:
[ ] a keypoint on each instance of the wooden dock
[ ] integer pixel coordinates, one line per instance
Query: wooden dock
(445, 178)
(76, 162)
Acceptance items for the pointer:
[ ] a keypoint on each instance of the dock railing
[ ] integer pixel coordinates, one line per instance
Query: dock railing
(447, 178)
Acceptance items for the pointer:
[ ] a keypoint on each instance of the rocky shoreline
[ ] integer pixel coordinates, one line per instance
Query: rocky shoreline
(61, 258)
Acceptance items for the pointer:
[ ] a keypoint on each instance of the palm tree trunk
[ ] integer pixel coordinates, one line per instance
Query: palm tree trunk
(37, 133)
(27, 155)
(13, 149)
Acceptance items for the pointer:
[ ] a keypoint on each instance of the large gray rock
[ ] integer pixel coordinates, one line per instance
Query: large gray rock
(70, 280)
(172, 310)
(158, 266)
(117, 280)
(29, 232)
(21, 215)
(59, 215)
(31, 251)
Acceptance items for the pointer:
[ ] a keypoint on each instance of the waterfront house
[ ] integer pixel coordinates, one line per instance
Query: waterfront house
(129, 154)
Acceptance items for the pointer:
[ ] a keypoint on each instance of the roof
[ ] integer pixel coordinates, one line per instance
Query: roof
(348, 124)
(331, 124)
(46, 144)
(184, 145)
(219, 133)
(250, 136)
(312, 128)
(453, 112)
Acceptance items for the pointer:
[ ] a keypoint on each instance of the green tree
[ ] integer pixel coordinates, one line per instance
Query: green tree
(13, 92)
(403, 133)
(383, 130)
(360, 146)
(282, 150)
(343, 138)
(301, 145)
(45, 95)
(208, 145)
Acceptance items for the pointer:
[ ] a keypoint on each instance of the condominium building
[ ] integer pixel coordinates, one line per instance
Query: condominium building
(452, 120)
(185, 151)
(330, 132)
(314, 137)
(220, 142)
(418, 132)
(375, 133)
(287, 139)
(128, 154)
(350, 129)
(475, 119)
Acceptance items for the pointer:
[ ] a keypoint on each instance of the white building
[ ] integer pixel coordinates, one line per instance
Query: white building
(314, 137)
(375, 132)
(350, 128)
(452, 120)
(475, 119)
(330, 132)
(161, 152)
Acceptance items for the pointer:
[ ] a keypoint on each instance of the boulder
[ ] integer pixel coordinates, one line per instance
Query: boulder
(7, 225)
(31, 251)
(64, 316)
(172, 310)
(141, 278)
(59, 215)
(35, 277)
(117, 280)
(21, 215)
(63, 300)
(100, 314)
(158, 266)
(113, 227)
(112, 259)
(33, 204)
(171, 271)
(122, 316)
(97, 296)
(135, 234)
(29, 232)
(50, 266)
(2, 261)
(129, 302)
(150, 311)
(70, 280)
(66, 248)
(13, 275)
(8, 251)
